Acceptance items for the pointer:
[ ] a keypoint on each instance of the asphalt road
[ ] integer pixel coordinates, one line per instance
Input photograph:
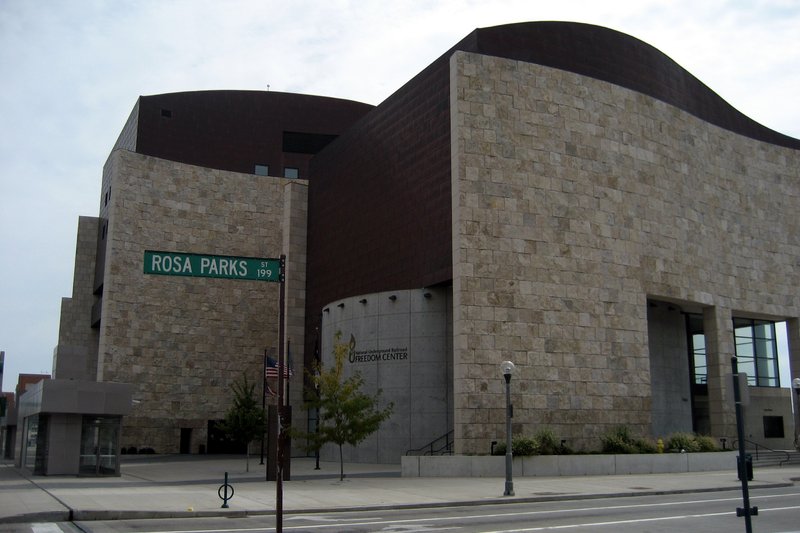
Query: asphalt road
(779, 511)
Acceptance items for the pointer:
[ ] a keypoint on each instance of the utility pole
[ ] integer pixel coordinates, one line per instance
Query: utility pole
(279, 464)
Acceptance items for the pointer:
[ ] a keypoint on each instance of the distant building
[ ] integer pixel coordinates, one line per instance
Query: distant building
(560, 195)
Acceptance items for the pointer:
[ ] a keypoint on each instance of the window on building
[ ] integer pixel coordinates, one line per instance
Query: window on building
(773, 427)
(262, 170)
(166, 113)
(757, 351)
(697, 349)
(291, 172)
(30, 441)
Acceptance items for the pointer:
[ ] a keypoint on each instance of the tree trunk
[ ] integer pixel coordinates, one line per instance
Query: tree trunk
(247, 461)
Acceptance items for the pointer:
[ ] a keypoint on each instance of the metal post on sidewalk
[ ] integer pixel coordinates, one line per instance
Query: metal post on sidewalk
(280, 458)
(747, 512)
(508, 369)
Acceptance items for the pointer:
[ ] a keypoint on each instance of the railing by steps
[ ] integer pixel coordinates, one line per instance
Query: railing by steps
(766, 456)
(440, 446)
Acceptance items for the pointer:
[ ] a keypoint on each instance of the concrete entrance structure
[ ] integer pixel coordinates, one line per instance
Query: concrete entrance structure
(72, 427)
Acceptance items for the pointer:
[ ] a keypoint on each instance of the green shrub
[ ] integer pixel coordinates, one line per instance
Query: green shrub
(544, 442)
(682, 442)
(520, 446)
(706, 443)
(613, 443)
(646, 446)
(620, 440)
(547, 443)
(617, 440)
(687, 442)
(523, 447)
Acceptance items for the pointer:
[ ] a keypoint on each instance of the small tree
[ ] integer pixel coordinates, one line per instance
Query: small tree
(245, 420)
(346, 415)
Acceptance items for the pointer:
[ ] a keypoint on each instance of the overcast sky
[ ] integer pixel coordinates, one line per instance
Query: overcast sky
(71, 72)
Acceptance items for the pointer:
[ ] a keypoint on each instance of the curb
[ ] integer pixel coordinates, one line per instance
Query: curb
(44, 516)
(88, 515)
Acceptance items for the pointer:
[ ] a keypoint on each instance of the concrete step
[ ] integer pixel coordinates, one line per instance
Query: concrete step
(775, 458)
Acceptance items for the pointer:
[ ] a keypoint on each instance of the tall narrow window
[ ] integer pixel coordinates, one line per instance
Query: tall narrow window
(697, 349)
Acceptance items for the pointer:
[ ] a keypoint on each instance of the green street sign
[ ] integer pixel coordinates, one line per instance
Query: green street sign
(212, 266)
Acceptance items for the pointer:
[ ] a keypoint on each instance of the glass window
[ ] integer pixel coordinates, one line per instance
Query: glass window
(757, 351)
(262, 170)
(31, 441)
(291, 172)
(697, 348)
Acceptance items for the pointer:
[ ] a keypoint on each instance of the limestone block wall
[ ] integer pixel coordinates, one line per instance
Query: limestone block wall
(182, 341)
(295, 236)
(75, 356)
(574, 200)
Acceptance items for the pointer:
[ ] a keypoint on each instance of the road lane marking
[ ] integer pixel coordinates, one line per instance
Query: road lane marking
(381, 521)
(42, 527)
(633, 521)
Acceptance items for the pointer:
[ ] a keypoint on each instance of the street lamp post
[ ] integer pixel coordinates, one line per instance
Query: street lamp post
(508, 369)
(796, 387)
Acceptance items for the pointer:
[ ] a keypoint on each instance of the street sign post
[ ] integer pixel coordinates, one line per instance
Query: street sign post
(212, 266)
(240, 268)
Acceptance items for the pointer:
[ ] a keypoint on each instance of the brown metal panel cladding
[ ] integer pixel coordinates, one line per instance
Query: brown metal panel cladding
(235, 130)
(380, 206)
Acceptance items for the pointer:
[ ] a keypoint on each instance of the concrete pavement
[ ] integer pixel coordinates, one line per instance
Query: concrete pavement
(185, 486)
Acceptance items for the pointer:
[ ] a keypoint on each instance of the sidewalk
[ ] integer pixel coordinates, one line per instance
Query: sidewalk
(183, 486)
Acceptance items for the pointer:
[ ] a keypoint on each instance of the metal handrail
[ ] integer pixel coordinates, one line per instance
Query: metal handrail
(757, 446)
(428, 449)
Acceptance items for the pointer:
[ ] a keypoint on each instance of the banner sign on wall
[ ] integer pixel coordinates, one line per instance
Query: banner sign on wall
(376, 354)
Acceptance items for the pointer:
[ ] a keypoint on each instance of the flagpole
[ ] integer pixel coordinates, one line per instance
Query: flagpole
(263, 400)
(288, 371)
(316, 389)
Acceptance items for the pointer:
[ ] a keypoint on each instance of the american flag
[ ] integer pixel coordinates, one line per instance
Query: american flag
(272, 369)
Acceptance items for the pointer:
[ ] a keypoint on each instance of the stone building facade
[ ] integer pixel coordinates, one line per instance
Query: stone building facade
(577, 202)
(183, 341)
(187, 338)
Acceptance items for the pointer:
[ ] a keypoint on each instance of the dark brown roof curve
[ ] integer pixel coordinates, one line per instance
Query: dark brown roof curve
(617, 58)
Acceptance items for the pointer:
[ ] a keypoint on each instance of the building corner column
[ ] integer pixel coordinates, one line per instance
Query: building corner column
(718, 327)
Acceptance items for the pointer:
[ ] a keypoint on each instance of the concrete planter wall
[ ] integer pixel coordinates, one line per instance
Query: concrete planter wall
(566, 465)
